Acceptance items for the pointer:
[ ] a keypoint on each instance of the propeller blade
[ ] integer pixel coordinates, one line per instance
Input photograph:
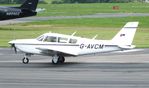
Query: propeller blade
(15, 49)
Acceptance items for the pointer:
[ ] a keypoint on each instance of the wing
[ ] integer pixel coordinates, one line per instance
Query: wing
(52, 51)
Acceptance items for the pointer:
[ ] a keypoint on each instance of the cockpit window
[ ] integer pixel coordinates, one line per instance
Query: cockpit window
(56, 39)
(50, 39)
(40, 38)
(73, 41)
(62, 40)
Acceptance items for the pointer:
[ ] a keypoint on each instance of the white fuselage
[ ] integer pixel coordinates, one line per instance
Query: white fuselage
(82, 47)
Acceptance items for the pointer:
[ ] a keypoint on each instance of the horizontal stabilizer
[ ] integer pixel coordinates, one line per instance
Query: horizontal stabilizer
(127, 47)
(131, 25)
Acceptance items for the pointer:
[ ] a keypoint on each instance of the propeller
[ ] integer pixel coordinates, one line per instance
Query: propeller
(15, 49)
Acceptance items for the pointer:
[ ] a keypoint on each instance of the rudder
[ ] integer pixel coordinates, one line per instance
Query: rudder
(30, 4)
(126, 34)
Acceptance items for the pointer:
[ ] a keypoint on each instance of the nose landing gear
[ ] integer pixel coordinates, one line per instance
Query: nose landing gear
(25, 60)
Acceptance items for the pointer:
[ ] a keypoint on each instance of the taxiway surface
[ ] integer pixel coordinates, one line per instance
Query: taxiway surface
(98, 15)
(113, 70)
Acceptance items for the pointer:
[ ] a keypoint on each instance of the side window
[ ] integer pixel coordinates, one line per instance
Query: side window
(62, 40)
(50, 39)
(73, 41)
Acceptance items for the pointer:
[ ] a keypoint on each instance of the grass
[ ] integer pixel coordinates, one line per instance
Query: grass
(92, 8)
(32, 32)
(95, 22)
(105, 28)
(48, 1)
(141, 38)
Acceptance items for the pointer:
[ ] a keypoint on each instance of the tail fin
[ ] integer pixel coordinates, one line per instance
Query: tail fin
(30, 4)
(126, 34)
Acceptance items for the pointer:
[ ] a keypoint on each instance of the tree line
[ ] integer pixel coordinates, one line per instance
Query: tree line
(10, 1)
(15, 1)
(70, 1)
(94, 1)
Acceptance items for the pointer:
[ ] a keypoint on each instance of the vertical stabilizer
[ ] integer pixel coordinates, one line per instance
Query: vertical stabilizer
(126, 34)
(30, 5)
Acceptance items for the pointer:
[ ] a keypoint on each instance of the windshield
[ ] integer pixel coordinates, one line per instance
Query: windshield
(40, 38)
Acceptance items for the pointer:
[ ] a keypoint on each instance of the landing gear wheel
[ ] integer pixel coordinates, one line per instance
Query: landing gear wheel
(55, 59)
(58, 60)
(54, 62)
(25, 60)
(61, 59)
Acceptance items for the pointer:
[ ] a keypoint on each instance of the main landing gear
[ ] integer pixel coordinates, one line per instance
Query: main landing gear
(58, 59)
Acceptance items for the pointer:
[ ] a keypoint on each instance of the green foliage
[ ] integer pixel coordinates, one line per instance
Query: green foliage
(105, 28)
(90, 1)
(120, 1)
(15, 1)
(57, 2)
(18, 1)
(92, 8)
(95, 22)
(5, 1)
(11, 1)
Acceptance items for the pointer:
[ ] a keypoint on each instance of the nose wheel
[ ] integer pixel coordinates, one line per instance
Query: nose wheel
(25, 60)
(58, 59)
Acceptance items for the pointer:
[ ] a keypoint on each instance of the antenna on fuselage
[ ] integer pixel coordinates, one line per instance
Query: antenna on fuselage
(73, 33)
(95, 37)
(71, 36)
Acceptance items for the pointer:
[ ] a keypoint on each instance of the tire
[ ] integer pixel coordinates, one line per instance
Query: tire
(53, 62)
(61, 59)
(25, 60)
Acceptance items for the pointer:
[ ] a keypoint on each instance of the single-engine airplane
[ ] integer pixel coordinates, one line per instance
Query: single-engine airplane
(60, 46)
(27, 9)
